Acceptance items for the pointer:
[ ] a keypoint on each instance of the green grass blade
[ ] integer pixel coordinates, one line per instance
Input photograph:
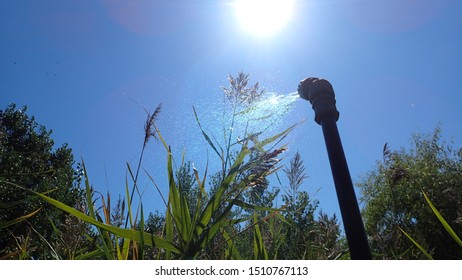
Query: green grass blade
(200, 195)
(207, 138)
(88, 193)
(278, 239)
(217, 201)
(91, 255)
(416, 244)
(201, 184)
(118, 250)
(169, 222)
(4, 205)
(18, 220)
(179, 208)
(169, 234)
(260, 252)
(53, 251)
(125, 248)
(105, 208)
(122, 251)
(127, 194)
(91, 211)
(207, 232)
(157, 188)
(231, 252)
(259, 145)
(131, 234)
(162, 138)
(141, 243)
(443, 221)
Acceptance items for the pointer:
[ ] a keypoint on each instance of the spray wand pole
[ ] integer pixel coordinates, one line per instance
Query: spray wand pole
(322, 98)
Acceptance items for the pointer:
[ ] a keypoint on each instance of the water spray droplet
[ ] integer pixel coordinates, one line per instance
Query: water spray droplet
(268, 112)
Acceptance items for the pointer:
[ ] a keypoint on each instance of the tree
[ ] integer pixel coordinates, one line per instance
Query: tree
(28, 159)
(188, 186)
(154, 224)
(392, 194)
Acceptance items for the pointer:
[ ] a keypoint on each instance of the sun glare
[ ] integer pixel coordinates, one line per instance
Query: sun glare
(263, 17)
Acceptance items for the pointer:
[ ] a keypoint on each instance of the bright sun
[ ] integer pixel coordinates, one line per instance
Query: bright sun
(263, 17)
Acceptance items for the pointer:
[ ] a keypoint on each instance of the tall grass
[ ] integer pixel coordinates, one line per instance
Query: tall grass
(212, 215)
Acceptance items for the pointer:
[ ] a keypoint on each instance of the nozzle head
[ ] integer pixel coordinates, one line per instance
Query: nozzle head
(311, 88)
(321, 95)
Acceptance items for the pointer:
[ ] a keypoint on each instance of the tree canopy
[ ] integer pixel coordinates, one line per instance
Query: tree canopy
(28, 159)
(393, 197)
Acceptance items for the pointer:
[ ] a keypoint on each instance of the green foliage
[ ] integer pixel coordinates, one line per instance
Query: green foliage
(28, 158)
(392, 195)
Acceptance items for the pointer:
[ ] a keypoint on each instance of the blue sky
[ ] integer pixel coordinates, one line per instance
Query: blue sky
(83, 68)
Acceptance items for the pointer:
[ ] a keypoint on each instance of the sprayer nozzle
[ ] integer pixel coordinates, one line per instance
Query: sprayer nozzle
(321, 95)
(310, 88)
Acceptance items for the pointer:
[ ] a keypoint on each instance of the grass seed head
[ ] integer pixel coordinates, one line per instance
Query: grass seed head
(149, 126)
